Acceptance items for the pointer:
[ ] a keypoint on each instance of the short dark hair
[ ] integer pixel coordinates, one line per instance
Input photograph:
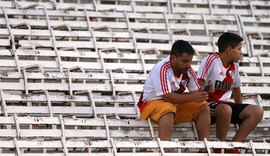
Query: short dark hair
(180, 46)
(228, 40)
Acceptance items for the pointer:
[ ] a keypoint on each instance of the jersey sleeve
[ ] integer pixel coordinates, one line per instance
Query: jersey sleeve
(160, 81)
(205, 68)
(193, 84)
(237, 80)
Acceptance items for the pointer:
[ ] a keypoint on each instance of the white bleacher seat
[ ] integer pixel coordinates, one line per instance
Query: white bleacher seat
(243, 7)
(128, 147)
(103, 128)
(196, 24)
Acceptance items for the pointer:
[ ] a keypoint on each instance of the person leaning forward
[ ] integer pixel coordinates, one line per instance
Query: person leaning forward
(163, 99)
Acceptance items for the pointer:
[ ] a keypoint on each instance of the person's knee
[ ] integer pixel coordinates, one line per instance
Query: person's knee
(259, 111)
(206, 110)
(256, 111)
(167, 120)
(205, 113)
(224, 111)
(169, 116)
(203, 108)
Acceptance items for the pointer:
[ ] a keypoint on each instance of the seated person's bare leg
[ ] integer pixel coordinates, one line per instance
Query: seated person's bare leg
(250, 117)
(165, 126)
(223, 115)
(203, 123)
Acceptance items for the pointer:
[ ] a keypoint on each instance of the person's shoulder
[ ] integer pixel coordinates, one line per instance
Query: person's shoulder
(213, 55)
(191, 72)
(162, 64)
(211, 58)
(236, 65)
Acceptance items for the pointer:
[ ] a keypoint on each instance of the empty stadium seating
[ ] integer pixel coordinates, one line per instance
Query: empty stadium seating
(72, 71)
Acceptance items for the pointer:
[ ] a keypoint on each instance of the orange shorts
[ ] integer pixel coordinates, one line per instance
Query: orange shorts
(185, 112)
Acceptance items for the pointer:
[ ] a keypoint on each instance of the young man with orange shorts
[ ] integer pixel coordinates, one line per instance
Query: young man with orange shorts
(163, 99)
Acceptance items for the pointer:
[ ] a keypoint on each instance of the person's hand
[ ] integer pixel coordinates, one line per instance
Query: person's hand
(212, 87)
(208, 87)
(199, 96)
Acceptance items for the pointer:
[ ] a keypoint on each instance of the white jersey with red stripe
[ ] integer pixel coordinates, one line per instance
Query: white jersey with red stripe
(223, 78)
(161, 80)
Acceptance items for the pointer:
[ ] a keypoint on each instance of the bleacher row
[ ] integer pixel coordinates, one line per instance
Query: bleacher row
(71, 73)
(124, 30)
(241, 7)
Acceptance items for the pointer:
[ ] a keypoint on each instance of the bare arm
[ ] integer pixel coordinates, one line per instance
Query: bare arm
(236, 93)
(183, 98)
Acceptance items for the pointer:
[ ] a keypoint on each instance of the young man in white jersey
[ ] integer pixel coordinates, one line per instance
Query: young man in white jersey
(221, 70)
(163, 99)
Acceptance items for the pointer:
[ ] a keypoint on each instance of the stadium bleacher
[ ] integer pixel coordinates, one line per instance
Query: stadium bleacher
(72, 71)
